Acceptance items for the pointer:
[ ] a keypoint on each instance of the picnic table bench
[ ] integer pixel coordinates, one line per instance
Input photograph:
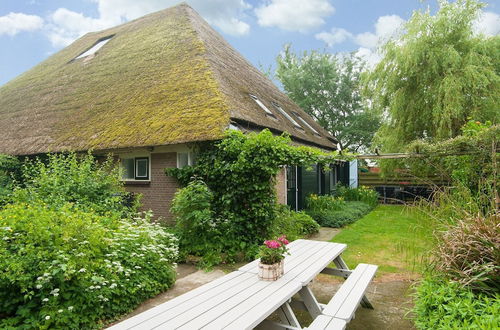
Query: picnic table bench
(239, 300)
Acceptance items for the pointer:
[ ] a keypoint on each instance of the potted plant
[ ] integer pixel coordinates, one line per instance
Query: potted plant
(272, 255)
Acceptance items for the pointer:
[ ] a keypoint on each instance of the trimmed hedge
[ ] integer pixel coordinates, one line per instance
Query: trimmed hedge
(292, 224)
(348, 213)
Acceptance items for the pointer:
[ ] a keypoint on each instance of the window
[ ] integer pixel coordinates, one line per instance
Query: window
(283, 112)
(98, 45)
(306, 123)
(263, 107)
(135, 168)
(186, 159)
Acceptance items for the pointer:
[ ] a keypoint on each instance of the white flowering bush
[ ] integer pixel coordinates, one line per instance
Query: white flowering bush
(70, 268)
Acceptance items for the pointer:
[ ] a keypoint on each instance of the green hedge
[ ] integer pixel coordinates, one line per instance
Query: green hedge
(348, 213)
(71, 269)
(292, 224)
(442, 304)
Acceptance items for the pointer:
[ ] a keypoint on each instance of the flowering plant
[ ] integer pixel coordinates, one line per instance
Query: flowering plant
(273, 251)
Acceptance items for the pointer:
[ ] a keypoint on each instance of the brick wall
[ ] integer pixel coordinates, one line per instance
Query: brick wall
(281, 186)
(158, 194)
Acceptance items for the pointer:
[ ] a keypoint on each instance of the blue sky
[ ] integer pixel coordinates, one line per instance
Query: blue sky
(32, 30)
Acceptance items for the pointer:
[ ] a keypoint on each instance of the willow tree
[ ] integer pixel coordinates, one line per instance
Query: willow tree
(435, 76)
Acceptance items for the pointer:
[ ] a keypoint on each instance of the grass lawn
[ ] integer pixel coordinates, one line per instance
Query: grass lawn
(395, 237)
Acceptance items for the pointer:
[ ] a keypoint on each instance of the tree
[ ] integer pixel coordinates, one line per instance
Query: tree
(435, 77)
(327, 87)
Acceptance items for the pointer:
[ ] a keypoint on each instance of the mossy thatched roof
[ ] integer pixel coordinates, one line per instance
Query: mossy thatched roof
(162, 79)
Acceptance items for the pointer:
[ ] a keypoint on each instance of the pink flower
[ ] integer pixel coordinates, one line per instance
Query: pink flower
(272, 244)
(283, 240)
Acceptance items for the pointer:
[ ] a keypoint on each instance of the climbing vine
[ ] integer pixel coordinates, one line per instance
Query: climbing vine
(240, 171)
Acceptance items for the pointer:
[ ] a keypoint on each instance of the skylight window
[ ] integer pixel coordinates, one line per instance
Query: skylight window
(306, 123)
(259, 102)
(283, 112)
(98, 45)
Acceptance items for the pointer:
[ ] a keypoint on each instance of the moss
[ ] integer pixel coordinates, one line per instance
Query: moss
(149, 85)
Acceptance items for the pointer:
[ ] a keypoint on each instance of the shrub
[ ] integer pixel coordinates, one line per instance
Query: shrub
(10, 171)
(199, 232)
(360, 194)
(350, 212)
(76, 179)
(69, 268)
(442, 304)
(469, 253)
(292, 224)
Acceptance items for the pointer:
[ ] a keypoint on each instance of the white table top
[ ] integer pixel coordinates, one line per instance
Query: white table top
(239, 300)
(306, 260)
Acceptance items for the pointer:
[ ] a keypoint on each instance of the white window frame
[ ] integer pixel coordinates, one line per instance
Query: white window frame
(135, 158)
(286, 115)
(307, 124)
(136, 174)
(262, 105)
(95, 47)
(191, 157)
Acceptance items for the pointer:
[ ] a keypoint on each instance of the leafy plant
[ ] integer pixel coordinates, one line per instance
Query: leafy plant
(469, 253)
(442, 304)
(10, 172)
(77, 179)
(360, 194)
(292, 224)
(240, 171)
(70, 268)
(273, 251)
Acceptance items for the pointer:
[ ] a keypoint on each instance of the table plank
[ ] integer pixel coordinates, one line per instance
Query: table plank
(154, 312)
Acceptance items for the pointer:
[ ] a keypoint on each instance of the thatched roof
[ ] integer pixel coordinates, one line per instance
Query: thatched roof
(162, 79)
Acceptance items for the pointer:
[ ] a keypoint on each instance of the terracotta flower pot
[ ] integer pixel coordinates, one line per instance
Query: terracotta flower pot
(271, 272)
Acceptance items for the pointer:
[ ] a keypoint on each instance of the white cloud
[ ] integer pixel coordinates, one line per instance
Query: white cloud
(488, 23)
(66, 25)
(386, 28)
(335, 36)
(294, 15)
(13, 23)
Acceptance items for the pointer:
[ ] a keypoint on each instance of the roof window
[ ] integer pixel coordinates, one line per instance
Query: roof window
(92, 50)
(263, 107)
(283, 112)
(306, 123)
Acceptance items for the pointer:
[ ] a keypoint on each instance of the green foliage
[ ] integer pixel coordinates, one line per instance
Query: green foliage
(240, 171)
(76, 179)
(360, 194)
(348, 213)
(435, 76)
(328, 88)
(199, 232)
(10, 171)
(292, 224)
(70, 268)
(441, 304)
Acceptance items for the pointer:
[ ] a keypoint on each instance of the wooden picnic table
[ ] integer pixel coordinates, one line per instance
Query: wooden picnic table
(239, 300)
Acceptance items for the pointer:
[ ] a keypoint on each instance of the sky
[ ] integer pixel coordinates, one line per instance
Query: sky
(32, 30)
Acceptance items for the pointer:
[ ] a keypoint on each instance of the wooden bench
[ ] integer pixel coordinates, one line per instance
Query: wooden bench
(346, 300)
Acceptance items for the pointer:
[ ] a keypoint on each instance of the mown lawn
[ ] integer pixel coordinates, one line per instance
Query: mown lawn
(394, 237)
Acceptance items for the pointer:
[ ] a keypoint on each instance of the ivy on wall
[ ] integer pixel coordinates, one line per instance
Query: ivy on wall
(241, 169)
